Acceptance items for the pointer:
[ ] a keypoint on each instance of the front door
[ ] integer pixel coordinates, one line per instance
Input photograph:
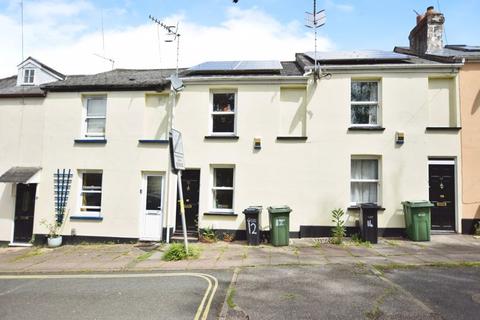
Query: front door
(191, 188)
(152, 208)
(24, 210)
(442, 194)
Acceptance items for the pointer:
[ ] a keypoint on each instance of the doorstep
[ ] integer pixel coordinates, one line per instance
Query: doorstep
(20, 244)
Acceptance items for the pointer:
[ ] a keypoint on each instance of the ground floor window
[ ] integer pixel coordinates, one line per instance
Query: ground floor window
(364, 181)
(91, 193)
(222, 189)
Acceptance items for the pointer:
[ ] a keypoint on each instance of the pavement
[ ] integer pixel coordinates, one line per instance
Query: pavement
(442, 249)
(310, 279)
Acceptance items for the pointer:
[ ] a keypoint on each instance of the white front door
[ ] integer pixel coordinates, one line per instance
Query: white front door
(152, 208)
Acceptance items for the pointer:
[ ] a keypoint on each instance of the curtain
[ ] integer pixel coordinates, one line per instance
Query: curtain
(364, 191)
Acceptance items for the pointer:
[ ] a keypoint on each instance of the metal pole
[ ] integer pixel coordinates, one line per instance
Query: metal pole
(182, 209)
(315, 31)
(169, 172)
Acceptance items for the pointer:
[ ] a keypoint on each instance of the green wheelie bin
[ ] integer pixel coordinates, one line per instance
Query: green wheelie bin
(279, 225)
(417, 219)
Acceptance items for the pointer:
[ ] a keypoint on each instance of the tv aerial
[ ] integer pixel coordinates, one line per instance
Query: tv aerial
(172, 33)
(315, 20)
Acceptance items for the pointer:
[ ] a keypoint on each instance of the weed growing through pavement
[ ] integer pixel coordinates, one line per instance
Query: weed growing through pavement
(144, 256)
(339, 231)
(375, 313)
(230, 296)
(29, 254)
(176, 251)
(288, 296)
(359, 242)
(392, 243)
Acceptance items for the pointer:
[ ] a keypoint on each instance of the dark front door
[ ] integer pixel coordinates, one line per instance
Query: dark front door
(442, 195)
(24, 209)
(191, 188)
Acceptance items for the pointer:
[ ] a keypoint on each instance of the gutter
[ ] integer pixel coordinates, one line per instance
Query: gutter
(25, 95)
(388, 67)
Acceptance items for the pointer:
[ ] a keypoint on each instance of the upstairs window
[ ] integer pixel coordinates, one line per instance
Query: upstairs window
(364, 103)
(223, 113)
(223, 189)
(364, 181)
(91, 193)
(95, 117)
(28, 76)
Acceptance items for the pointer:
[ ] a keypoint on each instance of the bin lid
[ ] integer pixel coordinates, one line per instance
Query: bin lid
(251, 210)
(369, 205)
(418, 203)
(279, 209)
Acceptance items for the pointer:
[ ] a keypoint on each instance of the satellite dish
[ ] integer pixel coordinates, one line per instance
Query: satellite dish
(177, 84)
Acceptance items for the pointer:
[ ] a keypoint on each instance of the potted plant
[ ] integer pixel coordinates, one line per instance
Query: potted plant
(54, 237)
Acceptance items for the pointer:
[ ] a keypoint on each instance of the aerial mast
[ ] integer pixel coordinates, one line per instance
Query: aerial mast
(314, 21)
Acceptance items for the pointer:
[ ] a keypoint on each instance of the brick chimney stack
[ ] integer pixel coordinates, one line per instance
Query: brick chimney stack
(427, 36)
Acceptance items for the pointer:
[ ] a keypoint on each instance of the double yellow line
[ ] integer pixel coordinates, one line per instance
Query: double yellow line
(203, 308)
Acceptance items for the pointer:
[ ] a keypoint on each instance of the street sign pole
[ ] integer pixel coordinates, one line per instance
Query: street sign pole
(178, 164)
(182, 209)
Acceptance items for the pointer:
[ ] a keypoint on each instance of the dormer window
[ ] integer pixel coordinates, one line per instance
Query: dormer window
(28, 76)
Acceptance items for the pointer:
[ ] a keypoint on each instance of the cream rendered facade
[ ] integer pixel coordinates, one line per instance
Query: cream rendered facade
(312, 176)
(21, 144)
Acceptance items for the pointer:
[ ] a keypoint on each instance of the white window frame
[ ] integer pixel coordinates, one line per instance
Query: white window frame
(378, 180)
(364, 103)
(86, 117)
(215, 188)
(82, 191)
(29, 76)
(213, 113)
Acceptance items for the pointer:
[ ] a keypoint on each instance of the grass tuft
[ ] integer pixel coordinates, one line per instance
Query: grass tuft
(230, 296)
(144, 256)
(176, 252)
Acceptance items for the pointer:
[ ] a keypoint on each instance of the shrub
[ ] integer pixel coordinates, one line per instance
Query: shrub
(228, 237)
(477, 229)
(339, 230)
(208, 235)
(176, 252)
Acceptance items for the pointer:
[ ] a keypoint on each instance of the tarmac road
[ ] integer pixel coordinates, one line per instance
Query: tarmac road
(454, 293)
(176, 295)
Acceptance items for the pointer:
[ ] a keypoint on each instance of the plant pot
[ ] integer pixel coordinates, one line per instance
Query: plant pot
(54, 242)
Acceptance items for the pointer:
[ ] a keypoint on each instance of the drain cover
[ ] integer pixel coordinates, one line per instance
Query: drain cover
(476, 298)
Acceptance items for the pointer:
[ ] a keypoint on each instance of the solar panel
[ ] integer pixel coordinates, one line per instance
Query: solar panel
(357, 55)
(463, 47)
(252, 65)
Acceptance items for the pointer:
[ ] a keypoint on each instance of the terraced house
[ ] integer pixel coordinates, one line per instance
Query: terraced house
(254, 132)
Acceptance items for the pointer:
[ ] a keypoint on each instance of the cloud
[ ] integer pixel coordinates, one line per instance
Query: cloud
(68, 45)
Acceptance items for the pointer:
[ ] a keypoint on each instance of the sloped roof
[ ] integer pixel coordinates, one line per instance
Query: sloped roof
(9, 88)
(117, 79)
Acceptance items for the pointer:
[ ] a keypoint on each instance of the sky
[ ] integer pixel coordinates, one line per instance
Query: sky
(67, 34)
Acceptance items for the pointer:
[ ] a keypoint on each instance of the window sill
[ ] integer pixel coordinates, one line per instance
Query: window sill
(86, 218)
(358, 208)
(220, 213)
(366, 128)
(436, 129)
(221, 137)
(291, 138)
(152, 141)
(94, 141)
